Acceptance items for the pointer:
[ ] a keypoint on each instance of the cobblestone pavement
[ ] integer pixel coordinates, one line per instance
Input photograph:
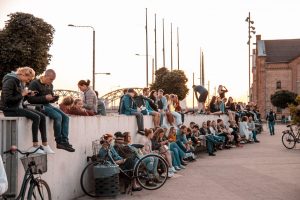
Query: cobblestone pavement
(263, 171)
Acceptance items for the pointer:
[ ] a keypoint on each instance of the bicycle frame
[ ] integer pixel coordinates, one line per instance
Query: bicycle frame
(28, 176)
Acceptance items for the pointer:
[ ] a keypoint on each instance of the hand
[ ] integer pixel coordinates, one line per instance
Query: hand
(49, 97)
(25, 93)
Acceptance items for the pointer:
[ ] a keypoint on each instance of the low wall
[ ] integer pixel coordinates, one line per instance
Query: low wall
(64, 168)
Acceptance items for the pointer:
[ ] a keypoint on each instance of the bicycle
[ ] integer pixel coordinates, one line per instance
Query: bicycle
(34, 164)
(140, 172)
(289, 138)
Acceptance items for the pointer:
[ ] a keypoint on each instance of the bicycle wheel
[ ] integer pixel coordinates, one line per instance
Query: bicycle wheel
(151, 171)
(87, 181)
(288, 140)
(39, 191)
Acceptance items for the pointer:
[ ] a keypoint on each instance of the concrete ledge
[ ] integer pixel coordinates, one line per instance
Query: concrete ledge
(64, 168)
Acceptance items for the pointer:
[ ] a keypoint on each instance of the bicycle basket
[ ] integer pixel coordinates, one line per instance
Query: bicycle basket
(40, 161)
(96, 147)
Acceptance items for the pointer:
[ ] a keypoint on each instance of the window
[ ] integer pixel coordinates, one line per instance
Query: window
(278, 85)
(279, 110)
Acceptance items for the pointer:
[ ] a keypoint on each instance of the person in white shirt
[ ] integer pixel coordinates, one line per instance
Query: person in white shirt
(3, 178)
(244, 129)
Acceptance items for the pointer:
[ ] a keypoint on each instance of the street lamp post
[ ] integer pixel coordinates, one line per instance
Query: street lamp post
(251, 30)
(93, 79)
(147, 69)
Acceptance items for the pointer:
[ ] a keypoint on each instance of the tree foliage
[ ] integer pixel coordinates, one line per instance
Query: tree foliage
(25, 41)
(283, 98)
(172, 82)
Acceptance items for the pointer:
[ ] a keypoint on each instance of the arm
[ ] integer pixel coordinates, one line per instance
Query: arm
(8, 92)
(196, 95)
(39, 98)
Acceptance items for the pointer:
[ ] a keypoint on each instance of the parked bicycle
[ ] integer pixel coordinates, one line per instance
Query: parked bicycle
(140, 172)
(289, 138)
(35, 165)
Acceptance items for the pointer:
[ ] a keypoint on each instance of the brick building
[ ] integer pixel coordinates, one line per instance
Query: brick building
(276, 66)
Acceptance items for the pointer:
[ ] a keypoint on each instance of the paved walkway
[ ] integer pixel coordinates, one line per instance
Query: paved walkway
(264, 171)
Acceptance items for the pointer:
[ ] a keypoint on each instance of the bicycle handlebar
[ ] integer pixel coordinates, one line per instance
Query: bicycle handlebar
(14, 149)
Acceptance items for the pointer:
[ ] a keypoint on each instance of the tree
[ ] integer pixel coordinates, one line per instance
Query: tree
(25, 41)
(282, 98)
(172, 82)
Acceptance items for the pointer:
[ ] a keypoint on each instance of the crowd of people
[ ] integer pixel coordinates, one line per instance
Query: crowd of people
(23, 95)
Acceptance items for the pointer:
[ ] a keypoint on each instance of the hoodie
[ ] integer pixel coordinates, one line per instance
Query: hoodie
(11, 95)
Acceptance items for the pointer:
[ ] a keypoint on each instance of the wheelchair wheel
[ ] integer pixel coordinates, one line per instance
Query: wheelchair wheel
(151, 171)
(87, 181)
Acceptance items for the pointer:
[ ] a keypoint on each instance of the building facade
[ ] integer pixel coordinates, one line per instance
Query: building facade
(276, 66)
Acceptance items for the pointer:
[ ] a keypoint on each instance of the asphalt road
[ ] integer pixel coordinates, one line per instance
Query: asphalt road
(262, 171)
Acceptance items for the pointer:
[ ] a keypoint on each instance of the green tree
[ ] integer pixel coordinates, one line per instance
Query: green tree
(25, 41)
(172, 82)
(282, 98)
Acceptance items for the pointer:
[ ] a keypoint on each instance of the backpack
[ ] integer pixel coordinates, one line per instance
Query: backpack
(271, 117)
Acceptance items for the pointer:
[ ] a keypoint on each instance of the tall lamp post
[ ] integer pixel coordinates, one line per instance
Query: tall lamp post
(71, 25)
(251, 30)
(153, 68)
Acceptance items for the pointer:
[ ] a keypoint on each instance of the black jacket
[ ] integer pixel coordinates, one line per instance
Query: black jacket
(43, 90)
(11, 95)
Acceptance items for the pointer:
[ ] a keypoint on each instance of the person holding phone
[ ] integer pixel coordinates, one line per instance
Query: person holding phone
(45, 96)
(14, 93)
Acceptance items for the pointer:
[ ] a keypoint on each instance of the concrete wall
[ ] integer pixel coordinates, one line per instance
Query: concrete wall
(64, 168)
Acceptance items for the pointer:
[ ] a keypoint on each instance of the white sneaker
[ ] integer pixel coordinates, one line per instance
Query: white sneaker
(32, 149)
(48, 150)
(170, 174)
(177, 168)
(173, 169)
(182, 167)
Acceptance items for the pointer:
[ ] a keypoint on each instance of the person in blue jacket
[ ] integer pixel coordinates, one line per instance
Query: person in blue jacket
(129, 108)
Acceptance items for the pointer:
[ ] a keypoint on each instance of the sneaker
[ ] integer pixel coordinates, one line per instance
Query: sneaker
(48, 150)
(141, 132)
(177, 168)
(172, 169)
(182, 167)
(67, 144)
(170, 174)
(64, 147)
(33, 149)
(212, 154)
(256, 141)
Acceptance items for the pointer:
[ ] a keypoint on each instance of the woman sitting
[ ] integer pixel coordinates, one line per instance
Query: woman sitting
(66, 104)
(160, 144)
(77, 109)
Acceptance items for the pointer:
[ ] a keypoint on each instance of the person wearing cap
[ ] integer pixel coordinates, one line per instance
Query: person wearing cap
(128, 107)
(202, 98)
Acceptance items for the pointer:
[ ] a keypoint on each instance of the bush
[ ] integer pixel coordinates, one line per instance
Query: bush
(283, 98)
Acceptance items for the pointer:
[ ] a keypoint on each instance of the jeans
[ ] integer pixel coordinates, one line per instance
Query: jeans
(174, 147)
(151, 164)
(177, 117)
(254, 133)
(38, 120)
(60, 125)
(139, 120)
(271, 127)
(210, 142)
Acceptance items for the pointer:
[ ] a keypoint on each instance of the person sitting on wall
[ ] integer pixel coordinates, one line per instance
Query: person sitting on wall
(101, 110)
(66, 104)
(128, 107)
(89, 99)
(45, 96)
(14, 94)
(77, 109)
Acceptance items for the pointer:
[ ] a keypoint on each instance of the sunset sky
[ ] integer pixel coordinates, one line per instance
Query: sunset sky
(218, 27)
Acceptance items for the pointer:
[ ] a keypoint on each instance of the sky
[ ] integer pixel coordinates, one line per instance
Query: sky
(218, 27)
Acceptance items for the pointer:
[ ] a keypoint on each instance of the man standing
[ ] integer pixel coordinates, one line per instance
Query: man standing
(45, 96)
(271, 117)
(202, 98)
